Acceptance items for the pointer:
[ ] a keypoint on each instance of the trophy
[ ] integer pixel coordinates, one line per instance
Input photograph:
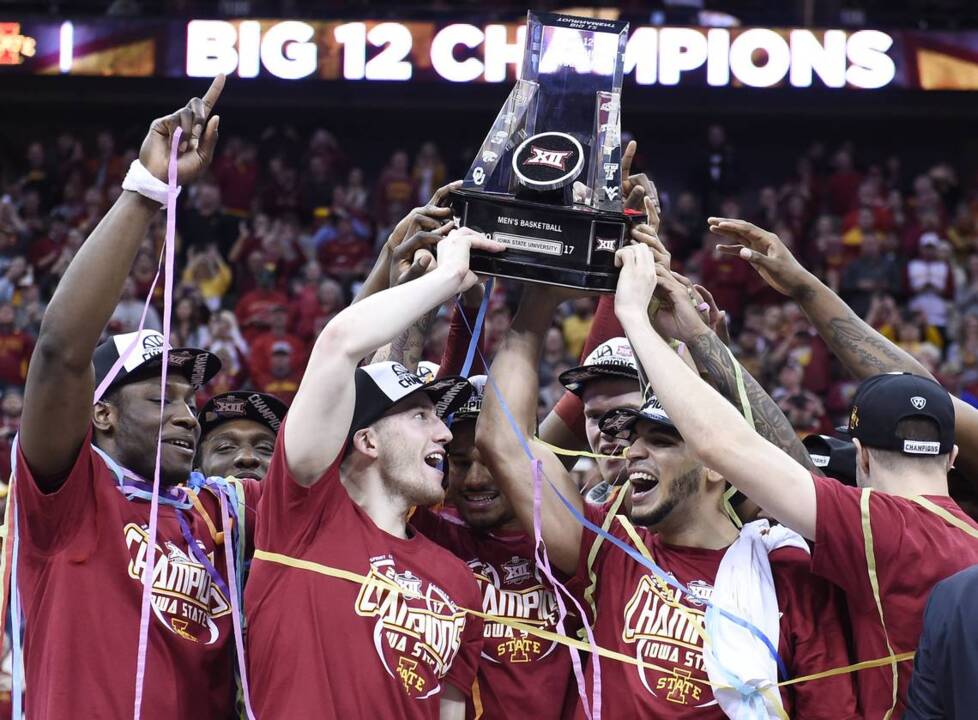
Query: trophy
(546, 182)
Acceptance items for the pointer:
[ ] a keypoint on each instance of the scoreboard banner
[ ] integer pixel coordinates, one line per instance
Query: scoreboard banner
(469, 51)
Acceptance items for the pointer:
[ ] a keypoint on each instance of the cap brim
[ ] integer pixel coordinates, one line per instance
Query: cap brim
(575, 378)
(620, 421)
(447, 393)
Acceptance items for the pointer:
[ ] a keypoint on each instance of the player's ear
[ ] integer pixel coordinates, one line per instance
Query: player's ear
(104, 416)
(365, 440)
(862, 456)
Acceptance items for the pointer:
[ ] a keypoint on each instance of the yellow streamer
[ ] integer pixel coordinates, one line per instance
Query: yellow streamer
(593, 555)
(875, 585)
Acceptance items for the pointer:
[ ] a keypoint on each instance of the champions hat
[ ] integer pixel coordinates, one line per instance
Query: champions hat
(882, 401)
(836, 458)
(146, 358)
(380, 386)
(263, 408)
(473, 406)
(613, 358)
(620, 423)
(427, 370)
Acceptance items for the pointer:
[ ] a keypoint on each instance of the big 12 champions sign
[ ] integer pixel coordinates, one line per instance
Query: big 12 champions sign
(462, 52)
(467, 50)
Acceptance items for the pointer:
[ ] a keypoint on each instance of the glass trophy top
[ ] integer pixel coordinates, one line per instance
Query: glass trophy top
(570, 83)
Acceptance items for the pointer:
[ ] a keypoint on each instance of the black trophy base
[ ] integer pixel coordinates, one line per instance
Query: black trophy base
(550, 244)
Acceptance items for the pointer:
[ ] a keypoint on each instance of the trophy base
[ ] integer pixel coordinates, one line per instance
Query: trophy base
(571, 246)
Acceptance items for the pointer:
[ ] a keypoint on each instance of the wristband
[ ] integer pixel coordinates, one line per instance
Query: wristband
(142, 181)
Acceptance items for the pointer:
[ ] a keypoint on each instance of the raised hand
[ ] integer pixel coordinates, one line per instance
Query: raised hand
(638, 187)
(197, 142)
(453, 254)
(415, 256)
(765, 252)
(637, 279)
(428, 218)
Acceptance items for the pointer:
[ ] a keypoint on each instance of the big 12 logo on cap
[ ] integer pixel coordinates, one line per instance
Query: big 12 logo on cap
(548, 161)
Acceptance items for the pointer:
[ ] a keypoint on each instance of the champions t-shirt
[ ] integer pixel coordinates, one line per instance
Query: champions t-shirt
(914, 550)
(82, 552)
(519, 675)
(325, 647)
(640, 616)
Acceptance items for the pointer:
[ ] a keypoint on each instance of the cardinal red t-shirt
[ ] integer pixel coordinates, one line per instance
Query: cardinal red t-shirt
(519, 676)
(82, 554)
(323, 647)
(914, 549)
(638, 615)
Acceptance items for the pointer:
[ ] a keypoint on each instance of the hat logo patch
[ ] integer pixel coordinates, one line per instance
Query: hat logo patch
(152, 346)
(230, 406)
(918, 402)
(405, 378)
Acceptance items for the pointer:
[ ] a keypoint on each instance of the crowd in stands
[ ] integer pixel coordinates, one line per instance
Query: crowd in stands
(273, 243)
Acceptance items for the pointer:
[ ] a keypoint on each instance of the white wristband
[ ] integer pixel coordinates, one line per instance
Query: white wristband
(141, 180)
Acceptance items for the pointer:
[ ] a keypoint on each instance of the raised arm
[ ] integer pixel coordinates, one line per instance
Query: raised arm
(320, 416)
(60, 380)
(515, 373)
(859, 347)
(710, 425)
(680, 316)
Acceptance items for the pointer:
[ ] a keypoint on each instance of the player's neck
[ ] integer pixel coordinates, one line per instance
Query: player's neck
(702, 526)
(388, 512)
(909, 485)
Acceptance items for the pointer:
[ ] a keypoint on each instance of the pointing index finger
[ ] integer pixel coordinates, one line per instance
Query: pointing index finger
(626, 159)
(213, 92)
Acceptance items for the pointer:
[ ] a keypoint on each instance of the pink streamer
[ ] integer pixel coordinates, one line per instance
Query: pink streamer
(543, 562)
(154, 510)
(117, 365)
(235, 605)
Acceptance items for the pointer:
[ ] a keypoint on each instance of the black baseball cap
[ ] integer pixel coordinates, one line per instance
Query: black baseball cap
(146, 359)
(380, 386)
(620, 423)
(470, 409)
(882, 401)
(613, 358)
(834, 457)
(262, 408)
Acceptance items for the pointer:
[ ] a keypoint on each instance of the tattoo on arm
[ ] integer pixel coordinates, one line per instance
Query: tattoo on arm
(407, 347)
(712, 357)
(864, 351)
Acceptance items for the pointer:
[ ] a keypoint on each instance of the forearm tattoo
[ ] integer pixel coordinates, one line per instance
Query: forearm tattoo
(712, 357)
(863, 350)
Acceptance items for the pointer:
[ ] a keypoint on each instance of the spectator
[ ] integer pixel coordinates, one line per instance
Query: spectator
(208, 274)
(931, 283)
(275, 336)
(236, 173)
(317, 186)
(802, 408)
(352, 197)
(107, 167)
(577, 324)
(189, 327)
(254, 308)
(868, 275)
(554, 357)
(717, 173)
(319, 308)
(962, 354)
(348, 255)
(396, 192)
(429, 172)
(283, 376)
(15, 348)
(843, 184)
(206, 223)
(125, 317)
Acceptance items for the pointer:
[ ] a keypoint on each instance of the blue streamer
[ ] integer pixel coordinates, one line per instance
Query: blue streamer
(476, 333)
(627, 549)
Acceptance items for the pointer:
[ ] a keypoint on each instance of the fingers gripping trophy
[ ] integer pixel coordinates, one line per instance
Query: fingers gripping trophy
(546, 182)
